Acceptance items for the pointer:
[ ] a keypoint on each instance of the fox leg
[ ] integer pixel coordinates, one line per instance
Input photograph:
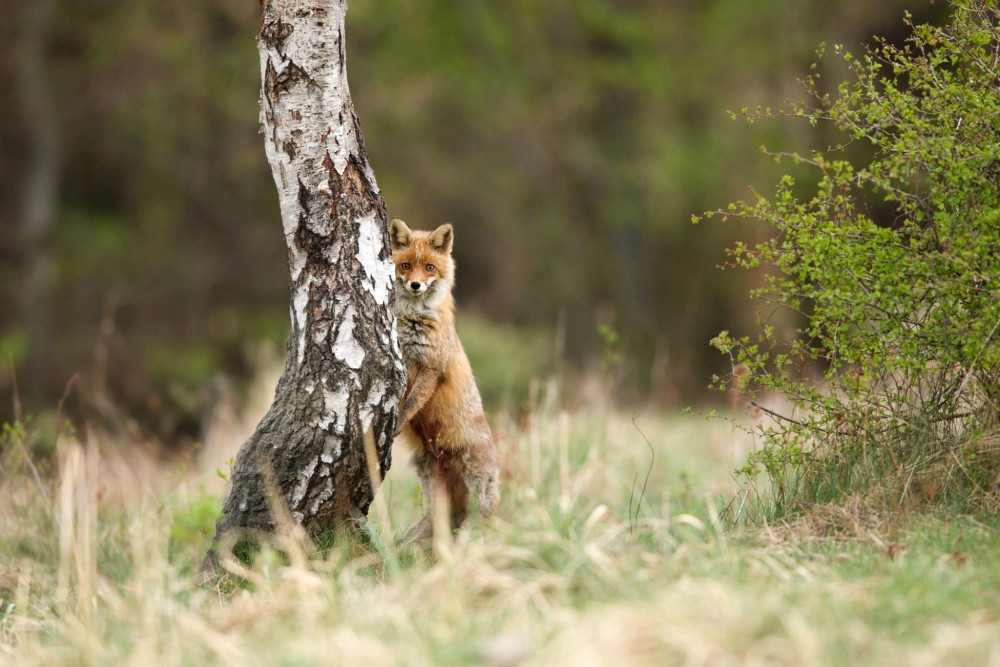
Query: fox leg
(458, 496)
(447, 484)
(476, 470)
(487, 483)
(417, 395)
(423, 529)
(489, 492)
(482, 474)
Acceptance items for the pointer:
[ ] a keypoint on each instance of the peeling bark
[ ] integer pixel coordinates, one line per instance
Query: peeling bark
(343, 374)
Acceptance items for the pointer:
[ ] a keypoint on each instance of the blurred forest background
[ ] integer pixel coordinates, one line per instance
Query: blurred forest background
(569, 141)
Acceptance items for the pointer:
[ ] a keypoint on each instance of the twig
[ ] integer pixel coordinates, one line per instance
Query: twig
(633, 523)
(972, 366)
(778, 416)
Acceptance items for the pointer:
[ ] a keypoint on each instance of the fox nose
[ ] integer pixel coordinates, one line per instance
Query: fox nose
(414, 285)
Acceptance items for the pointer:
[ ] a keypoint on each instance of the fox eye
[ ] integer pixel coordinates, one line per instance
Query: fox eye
(405, 266)
(429, 267)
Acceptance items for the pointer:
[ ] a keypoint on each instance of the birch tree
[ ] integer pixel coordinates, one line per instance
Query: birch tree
(343, 374)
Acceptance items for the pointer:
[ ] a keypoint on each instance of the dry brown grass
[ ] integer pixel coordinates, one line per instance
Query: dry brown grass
(569, 573)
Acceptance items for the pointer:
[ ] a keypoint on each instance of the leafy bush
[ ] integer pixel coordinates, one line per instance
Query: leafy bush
(900, 312)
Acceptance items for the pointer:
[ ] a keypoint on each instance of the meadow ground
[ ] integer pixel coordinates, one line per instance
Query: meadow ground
(581, 567)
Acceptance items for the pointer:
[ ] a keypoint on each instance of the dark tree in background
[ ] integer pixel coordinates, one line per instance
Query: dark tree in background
(39, 196)
(343, 375)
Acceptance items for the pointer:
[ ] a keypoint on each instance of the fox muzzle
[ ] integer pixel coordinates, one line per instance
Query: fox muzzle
(416, 287)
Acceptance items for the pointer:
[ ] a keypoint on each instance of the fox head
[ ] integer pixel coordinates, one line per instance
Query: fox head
(423, 259)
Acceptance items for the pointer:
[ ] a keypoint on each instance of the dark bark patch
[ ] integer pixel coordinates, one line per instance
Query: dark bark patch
(288, 77)
(269, 94)
(309, 241)
(274, 33)
(340, 48)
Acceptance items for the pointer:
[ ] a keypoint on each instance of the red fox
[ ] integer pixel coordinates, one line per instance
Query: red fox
(454, 447)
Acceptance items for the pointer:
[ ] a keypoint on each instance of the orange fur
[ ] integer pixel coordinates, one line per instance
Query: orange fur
(454, 446)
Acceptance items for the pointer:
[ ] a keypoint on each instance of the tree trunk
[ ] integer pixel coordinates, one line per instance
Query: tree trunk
(40, 191)
(343, 375)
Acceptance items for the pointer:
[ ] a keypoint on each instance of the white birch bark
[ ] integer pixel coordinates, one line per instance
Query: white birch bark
(343, 374)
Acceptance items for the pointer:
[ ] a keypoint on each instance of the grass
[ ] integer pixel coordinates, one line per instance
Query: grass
(581, 567)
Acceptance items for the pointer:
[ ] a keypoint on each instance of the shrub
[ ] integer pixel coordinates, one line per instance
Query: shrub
(900, 312)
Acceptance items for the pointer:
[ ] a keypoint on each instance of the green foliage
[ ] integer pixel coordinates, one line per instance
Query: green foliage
(30, 439)
(194, 523)
(897, 363)
(504, 358)
(13, 346)
(611, 344)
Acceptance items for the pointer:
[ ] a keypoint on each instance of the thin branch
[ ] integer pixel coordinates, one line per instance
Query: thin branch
(652, 458)
(774, 414)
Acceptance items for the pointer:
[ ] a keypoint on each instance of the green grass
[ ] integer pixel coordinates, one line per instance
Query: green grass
(98, 563)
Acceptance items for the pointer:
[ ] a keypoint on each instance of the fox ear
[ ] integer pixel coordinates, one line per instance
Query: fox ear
(399, 234)
(442, 238)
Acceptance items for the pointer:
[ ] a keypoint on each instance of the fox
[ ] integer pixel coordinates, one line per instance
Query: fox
(454, 450)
